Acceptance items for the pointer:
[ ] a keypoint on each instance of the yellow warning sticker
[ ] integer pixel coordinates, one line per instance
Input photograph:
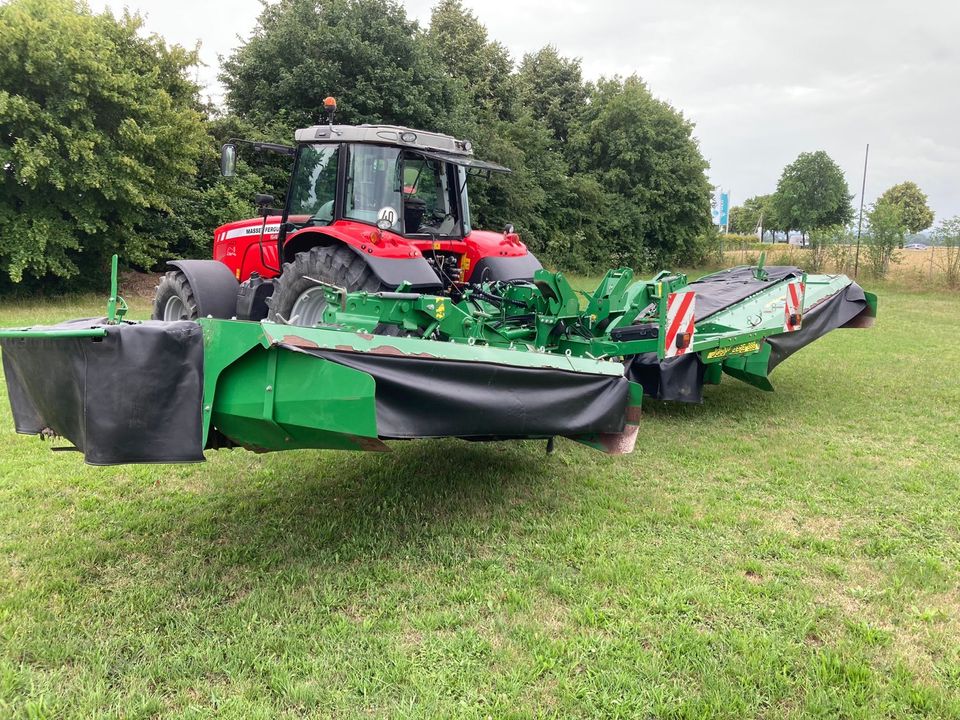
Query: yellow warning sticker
(441, 309)
(741, 349)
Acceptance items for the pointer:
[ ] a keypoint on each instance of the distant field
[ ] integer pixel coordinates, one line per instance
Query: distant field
(923, 267)
(784, 555)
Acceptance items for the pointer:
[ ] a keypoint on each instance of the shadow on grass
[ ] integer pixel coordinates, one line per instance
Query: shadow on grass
(241, 510)
(730, 402)
(214, 529)
(426, 502)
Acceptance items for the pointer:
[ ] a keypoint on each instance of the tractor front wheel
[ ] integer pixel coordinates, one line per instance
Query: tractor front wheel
(174, 299)
(298, 299)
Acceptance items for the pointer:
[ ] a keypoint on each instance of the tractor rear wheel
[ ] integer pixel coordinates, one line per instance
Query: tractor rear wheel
(298, 300)
(174, 298)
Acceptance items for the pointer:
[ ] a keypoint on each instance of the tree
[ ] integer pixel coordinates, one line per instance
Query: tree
(947, 253)
(366, 53)
(739, 223)
(600, 175)
(912, 202)
(643, 153)
(210, 200)
(551, 88)
(829, 245)
(99, 130)
(755, 212)
(531, 196)
(885, 232)
(812, 193)
(481, 68)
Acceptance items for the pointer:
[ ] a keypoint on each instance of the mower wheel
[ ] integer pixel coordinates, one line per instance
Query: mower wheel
(174, 299)
(297, 298)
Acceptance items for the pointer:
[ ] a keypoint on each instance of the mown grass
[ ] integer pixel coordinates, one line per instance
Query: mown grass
(779, 555)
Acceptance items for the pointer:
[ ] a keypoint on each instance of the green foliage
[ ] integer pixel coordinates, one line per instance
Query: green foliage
(481, 69)
(885, 233)
(812, 193)
(947, 236)
(208, 200)
(912, 202)
(600, 177)
(551, 87)
(100, 129)
(755, 211)
(106, 143)
(707, 249)
(739, 240)
(643, 154)
(366, 53)
(523, 196)
(829, 246)
(742, 220)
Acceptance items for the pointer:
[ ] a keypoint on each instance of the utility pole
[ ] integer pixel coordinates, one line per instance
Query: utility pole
(863, 190)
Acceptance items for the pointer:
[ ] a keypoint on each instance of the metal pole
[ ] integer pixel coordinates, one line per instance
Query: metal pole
(726, 226)
(112, 301)
(863, 190)
(728, 211)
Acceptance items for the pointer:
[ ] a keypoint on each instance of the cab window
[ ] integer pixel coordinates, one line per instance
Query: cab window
(429, 197)
(314, 186)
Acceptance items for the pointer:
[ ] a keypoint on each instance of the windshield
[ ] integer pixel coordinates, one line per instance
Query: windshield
(315, 184)
(373, 185)
(421, 195)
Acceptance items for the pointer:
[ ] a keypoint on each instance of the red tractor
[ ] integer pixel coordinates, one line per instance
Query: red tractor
(369, 207)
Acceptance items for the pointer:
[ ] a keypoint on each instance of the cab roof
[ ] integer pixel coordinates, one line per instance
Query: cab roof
(385, 134)
(435, 145)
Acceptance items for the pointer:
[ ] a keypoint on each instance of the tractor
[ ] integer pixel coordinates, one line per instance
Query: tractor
(369, 207)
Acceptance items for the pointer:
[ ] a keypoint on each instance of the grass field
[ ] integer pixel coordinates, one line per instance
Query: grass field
(779, 555)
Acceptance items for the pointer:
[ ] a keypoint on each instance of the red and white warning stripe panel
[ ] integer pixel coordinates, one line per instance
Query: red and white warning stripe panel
(680, 318)
(793, 307)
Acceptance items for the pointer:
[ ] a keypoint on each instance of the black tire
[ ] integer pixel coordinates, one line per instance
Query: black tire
(174, 297)
(334, 264)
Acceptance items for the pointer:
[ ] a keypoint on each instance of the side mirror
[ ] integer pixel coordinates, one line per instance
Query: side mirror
(228, 160)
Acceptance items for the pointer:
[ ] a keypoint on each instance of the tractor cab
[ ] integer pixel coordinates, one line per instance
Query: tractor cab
(368, 207)
(386, 177)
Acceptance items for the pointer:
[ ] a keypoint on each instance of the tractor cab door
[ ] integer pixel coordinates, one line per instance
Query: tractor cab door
(430, 203)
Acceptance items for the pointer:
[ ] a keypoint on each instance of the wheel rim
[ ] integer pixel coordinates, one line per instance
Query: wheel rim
(308, 308)
(175, 309)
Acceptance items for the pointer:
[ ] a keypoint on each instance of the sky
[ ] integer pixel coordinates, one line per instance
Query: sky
(763, 80)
